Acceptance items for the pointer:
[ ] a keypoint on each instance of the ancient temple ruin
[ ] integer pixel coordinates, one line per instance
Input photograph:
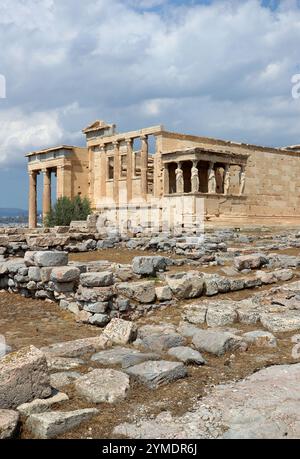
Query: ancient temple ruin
(153, 166)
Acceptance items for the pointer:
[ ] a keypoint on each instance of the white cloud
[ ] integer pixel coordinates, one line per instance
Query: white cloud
(222, 70)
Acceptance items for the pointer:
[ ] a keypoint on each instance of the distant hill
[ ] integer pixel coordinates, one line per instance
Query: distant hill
(12, 212)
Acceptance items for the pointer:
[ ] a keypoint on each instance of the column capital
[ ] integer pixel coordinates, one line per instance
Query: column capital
(144, 137)
(129, 141)
(116, 143)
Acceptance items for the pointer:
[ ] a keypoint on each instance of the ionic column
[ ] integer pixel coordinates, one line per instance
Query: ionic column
(212, 183)
(102, 173)
(46, 192)
(116, 171)
(226, 184)
(32, 209)
(242, 180)
(144, 166)
(129, 144)
(59, 182)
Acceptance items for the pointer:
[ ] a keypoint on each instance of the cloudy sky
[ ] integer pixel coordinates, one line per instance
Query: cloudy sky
(219, 68)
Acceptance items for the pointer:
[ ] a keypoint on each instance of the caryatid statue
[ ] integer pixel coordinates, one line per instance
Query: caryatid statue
(179, 179)
(195, 178)
(226, 179)
(242, 179)
(212, 184)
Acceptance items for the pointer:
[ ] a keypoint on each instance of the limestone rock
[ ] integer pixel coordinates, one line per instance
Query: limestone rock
(120, 331)
(49, 259)
(217, 342)
(148, 266)
(63, 363)
(251, 261)
(99, 319)
(65, 274)
(50, 425)
(187, 355)
(162, 342)
(220, 314)
(42, 405)
(97, 279)
(63, 378)
(155, 373)
(23, 377)
(260, 338)
(8, 423)
(100, 386)
(163, 293)
(195, 314)
(76, 348)
(284, 322)
(142, 292)
(185, 286)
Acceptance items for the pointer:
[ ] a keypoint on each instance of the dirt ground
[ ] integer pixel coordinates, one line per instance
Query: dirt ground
(25, 321)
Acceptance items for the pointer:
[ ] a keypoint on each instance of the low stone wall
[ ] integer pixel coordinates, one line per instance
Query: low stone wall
(96, 292)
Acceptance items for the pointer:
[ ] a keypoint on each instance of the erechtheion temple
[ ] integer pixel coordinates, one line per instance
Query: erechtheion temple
(153, 165)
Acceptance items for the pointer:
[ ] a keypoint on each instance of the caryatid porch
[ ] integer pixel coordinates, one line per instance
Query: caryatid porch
(204, 171)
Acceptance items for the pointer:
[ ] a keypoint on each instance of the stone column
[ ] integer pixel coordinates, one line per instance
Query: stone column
(116, 172)
(242, 180)
(179, 179)
(46, 192)
(129, 143)
(226, 185)
(212, 184)
(166, 179)
(32, 209)
(102, 173)
(144, 166)
(195, 183)
(59, 182)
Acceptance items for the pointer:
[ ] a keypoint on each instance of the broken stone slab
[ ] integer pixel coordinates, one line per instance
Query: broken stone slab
(51, 424)
(260, 338)
(284, 322)
(24, 376)
(113, 356)
(97, 279)
(156, 373)
(195, 314)
(99, 307)
(217, 342)
(187, 355)
(65, 274)
(49, 259)
(221, 314)
(147, 330)
(142, 292)
(163, 342)
(63, 363)
(98, 319)
(94, 294)
(163, 293)
(103, 386)
(9, 420)
(42, 405)
(186, 285)
(149, 265)
(251, 261)
(77, 348)
(187, 330)
(120, 331)
(135, 359)
(63, 378)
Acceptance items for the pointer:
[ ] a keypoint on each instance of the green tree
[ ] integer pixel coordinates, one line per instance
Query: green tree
(65, 210)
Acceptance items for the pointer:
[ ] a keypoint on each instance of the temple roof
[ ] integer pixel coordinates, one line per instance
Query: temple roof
(96, 125)
(48, 150)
